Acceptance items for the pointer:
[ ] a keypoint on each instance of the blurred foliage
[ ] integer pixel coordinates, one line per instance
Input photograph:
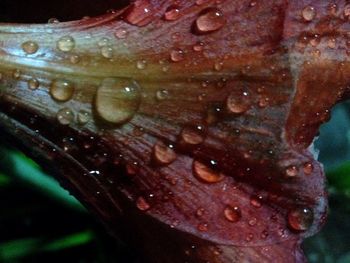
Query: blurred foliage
(41, 222)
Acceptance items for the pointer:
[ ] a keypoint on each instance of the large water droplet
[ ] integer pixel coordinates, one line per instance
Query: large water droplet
(140, 13)
(309, 13)
(164, 154)
(205, 173)
(30, 47)
(66, 43)
(300, 219)
(308, 168)
(61, 90)
(232, 214)
(117, 100)
(65, 116)
(238, 103)
(210, 20)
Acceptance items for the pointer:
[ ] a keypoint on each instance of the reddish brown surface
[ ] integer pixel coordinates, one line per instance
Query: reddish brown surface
(257, 157)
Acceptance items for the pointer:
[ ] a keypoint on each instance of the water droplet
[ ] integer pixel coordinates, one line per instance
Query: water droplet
(309, 13)
(198, 47)
(203, 227)
(218, 65)
(117, 100)
(256, 201)
(83, 117)
(210, 20)
(193, 135)
(142, 204)
(162, 94)
(172, 13)
(61, 90)
(177, 55)
(107, 52)
(238, 103)
(121, 33)
(74, 59)
(308, 168)
(65, 116)
(141, 64)
(252, 221)
(347, 11)
(30, 47)
(232, 214)
(16, 73)
(140, 13)
(300, 219)
(292, 171)
(205, 173)
(53, 20)
(332, 43)
(164, 154)
(66, 43)
(33, 84)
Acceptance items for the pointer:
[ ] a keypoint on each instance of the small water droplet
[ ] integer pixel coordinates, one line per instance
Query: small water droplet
(292, 171)
(164, 154)
(198, 47)
(309, 13)
(300, 219)
(256, 201)
(16, 73)
(103, 42)
(30, 47)
(203, 227)
(332, 43)
(177, 55)
(117, 100)
(141, 64)
(232, 214)
(347, 11)
(83, 117)
(238, 103)
(33, 84)
(66, 43)
(53, 20)
(61, 90)
(210, 20)
(193, 135)
(121, 33)
(142, 204)
(162, 94)
(140, 13)
(172, 13)
(65, 116)
(74, 59)
(205, 173)
(308, 168)
(252, 221)
(107, 52)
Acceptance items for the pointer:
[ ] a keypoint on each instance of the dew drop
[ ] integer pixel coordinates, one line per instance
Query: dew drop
(177, 55)
(117, 100)
(162, 94)
(65, 116)
(140, 14)
(66, 43)
(172, 13)
(232, 214)
(142, 204)
(74, 59)
(121, 33)
(164, 154)
(210, 20)
(33, 84)
(30, 47)
(83, 117)
(16, 73)
(300, 219)
(292, 171)
(332, 43)
(141, 64)
(203, 227)
(347, 11)
(103, 42)
(205, 173)
(198, 47)
(309, 13)
(53, 20)
(192, 135)
(255, 201)
(308, 168)
(61, 90)
(107, 52)
(238, 103)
